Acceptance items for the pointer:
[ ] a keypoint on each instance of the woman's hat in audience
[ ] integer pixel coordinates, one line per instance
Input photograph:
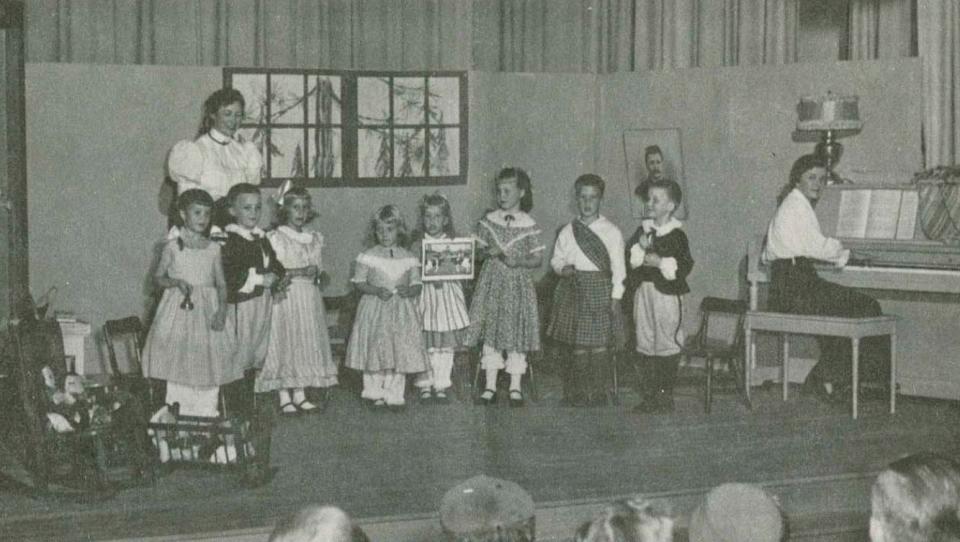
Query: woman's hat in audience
(737, 513)
(485, 508)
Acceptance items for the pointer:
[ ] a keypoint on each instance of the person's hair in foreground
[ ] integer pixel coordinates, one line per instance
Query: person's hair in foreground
(631, 520)
(318, 524)
(917, 499)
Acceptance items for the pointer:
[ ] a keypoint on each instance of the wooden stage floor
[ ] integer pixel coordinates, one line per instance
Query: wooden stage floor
(391, 469)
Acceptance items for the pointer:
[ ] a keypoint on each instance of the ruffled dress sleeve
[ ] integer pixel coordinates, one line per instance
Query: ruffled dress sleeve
(185, 165)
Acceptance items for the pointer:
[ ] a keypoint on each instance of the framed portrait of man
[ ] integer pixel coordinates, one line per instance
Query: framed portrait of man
(653, 154)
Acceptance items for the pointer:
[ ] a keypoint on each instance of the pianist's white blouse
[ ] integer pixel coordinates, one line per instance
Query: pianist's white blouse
(795, 232)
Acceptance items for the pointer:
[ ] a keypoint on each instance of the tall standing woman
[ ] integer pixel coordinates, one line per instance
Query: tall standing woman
(217, 159)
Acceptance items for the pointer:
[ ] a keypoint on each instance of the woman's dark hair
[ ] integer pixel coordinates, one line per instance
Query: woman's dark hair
(523, 183)
(194, 196)
(800, 166)
(213, 103)
(674, 192)
(294, 193)
(589, 179)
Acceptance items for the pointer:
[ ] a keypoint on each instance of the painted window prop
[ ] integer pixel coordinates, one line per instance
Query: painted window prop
(345, 128)
(652, 154)
(447, 259)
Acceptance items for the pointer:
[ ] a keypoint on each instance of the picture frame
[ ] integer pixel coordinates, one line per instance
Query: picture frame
(635, 142)
(448, 259)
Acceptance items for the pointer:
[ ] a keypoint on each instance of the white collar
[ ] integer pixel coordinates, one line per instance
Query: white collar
(304, 236)
(520, 218)
(672, 224)
(174, 232)
(244, 232)
(219, 137)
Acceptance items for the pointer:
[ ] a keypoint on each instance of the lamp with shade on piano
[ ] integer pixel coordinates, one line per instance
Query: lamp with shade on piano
(825, 119)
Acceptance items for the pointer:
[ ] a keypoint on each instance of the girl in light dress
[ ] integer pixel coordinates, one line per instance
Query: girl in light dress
(386, 342)
(298, 351)
(442, 306)
(503, 313)
(187, 345)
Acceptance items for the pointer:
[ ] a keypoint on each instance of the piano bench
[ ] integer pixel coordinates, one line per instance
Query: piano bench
(855, 329)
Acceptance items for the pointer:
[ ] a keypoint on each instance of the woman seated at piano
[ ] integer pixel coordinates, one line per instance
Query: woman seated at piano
(794, 243)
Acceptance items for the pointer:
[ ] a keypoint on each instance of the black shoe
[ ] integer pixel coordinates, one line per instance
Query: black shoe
(441, 398)
(516, 398)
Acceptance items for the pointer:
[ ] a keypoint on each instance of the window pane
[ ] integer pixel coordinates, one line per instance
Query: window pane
(257, 136)
(373, 153)
(325, 153)
(373, 100)
(444, 151)
(444, 100)
(408, 153)
(254, 90)
(325, 105)
(286, 152)
(408, 104)
(287, 103)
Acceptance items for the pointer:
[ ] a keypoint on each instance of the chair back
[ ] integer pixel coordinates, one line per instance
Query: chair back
(757, 272)
(38, 346)
(123, 338)
(721, 323)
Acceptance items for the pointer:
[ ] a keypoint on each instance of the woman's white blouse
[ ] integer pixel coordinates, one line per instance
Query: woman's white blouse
(207, 164)
(795, 232)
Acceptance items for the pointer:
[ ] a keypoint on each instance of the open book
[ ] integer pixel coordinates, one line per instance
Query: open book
(878, 213)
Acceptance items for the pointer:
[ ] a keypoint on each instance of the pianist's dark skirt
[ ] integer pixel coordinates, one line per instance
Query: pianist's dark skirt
(796, 288)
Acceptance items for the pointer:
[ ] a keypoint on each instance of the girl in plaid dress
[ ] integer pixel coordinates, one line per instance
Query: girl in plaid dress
(503, 314)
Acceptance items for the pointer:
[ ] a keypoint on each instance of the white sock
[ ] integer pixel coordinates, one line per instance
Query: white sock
(492, 379)
(284, 397)
(515, 382)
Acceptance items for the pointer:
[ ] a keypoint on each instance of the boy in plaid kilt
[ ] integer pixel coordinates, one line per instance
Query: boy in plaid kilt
(586, 317)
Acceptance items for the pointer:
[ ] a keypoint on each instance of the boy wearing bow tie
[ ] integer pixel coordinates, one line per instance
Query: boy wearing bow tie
(252, 272)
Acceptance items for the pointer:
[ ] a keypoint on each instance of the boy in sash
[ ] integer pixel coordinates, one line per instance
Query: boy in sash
(586, 318)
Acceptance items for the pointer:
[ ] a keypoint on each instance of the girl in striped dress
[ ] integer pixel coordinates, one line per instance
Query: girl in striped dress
(442, 305)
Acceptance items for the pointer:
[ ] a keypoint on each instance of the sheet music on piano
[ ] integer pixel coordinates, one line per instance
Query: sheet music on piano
(867, 213)
(879, 223)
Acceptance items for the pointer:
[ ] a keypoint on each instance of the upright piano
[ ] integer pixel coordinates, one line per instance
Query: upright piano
(914, 277)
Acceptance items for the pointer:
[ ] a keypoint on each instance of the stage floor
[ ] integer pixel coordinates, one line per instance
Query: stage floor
(383, 465)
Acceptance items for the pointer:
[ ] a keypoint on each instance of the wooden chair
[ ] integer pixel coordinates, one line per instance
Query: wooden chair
(719, 338)
(785, 324)
(124, 339)
(341, 310)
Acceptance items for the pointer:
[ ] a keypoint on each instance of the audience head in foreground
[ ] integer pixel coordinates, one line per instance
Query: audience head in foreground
(318, 524)
(917, 499)
(485, 509)
(632, 520)
(737, 513)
